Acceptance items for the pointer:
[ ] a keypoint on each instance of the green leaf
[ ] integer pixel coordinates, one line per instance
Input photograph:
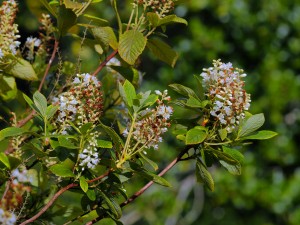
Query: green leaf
(104, 144)
(51, 110)
(20, 68)
(83, 184)
(96, 20)
(163, 51)
(4, 159)
(155, 21)
(105, 36)
(203, 176)
(193, 102)
(72, 5)
(91, 194)
(222, 134)
(61, 170)
(195, 136)
(112, 205)
(149, 161)
(85, 128)
(66, 143)
(11, 132)
(118, 142)
(132, 44)
(65, 20)
(120, 25)
(234, 169)
(183, 90)
(8, 88)
(235, 154)
(48, 7)
(261, 135)
(251, 125)
(41, 103)
(128, 93)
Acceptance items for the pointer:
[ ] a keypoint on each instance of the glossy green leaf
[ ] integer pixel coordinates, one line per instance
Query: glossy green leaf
(163, 51)
(105, 36)
(4, 159)
(155, 21)
(66, 143)
(117, 140)
(11, 132)
(222, 133)
(91, 194)
(195, 136)
(261, 135)
(235, 154)
(51, 110)
(149, 161)
(235, 169)
(40, 102)
(61, 170)
(83, 184)
(132, 44)
(21, 68)
(104, 144)
(203, 176)
(127, 91)
(85, 128)
(252, 124)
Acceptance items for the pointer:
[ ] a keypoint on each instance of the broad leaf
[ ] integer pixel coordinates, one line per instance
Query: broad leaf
(132, 44)
(40, 102)
(21, 68)
(105, 36)
(127, 91)
(4, 159)
(203, 176)
(195, 136)
(8, 88)
(222, 133)
(51, 110)
(128, 73)
(261, 135)
(235, 169)
(235, 154)
(61, 170)
(155, 21)
(163, 51)
(104, 144)
(83, 184)
(193, 102)
(66, 19)
(11, 132)
(251, 125)
(66, 143)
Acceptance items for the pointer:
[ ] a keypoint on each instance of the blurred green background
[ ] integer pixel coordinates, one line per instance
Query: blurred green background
(263, 38)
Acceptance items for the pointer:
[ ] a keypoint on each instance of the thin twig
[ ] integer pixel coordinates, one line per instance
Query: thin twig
(143, 189)
(8, 183)
(60, 192)
(100, 67)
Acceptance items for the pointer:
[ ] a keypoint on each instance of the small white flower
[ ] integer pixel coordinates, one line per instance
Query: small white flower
(76, 80)
(1, 54)
(158, 92)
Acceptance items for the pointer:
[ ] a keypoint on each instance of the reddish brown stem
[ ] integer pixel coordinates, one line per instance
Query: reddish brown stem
(143, 189)
(60, 192)
(49, 64)
(100, 67)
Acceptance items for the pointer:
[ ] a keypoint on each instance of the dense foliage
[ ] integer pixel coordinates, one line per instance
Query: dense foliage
(90, 131)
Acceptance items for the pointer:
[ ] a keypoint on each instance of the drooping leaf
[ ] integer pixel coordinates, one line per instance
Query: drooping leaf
(61, 170)
(261, 135)
(235, 154)
(203, 176)
(114, 207)
(4, 159)
(234, 169)
(195, 136)
(83, 184)
(155, 21)
(251, 124)
(21, 68)
(132, 44)
(163, 51)
(11, 132)
(105, 36)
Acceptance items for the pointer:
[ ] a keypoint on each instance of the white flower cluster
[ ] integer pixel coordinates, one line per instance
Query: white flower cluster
(153, 123)
(8, 29)
(7, 218)
(225, 88)
(20, 176)
(89, 156)
(160, 7)
(81, 104)
(30, 44)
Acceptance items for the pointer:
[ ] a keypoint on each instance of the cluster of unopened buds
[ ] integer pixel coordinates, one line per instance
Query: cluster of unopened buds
(148, 130)
(13, 198)
(8, 29)
(225, 88)
(160, 7)
(82, 103)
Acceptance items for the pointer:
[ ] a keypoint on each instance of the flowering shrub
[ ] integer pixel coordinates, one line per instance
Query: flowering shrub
(89, 136)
